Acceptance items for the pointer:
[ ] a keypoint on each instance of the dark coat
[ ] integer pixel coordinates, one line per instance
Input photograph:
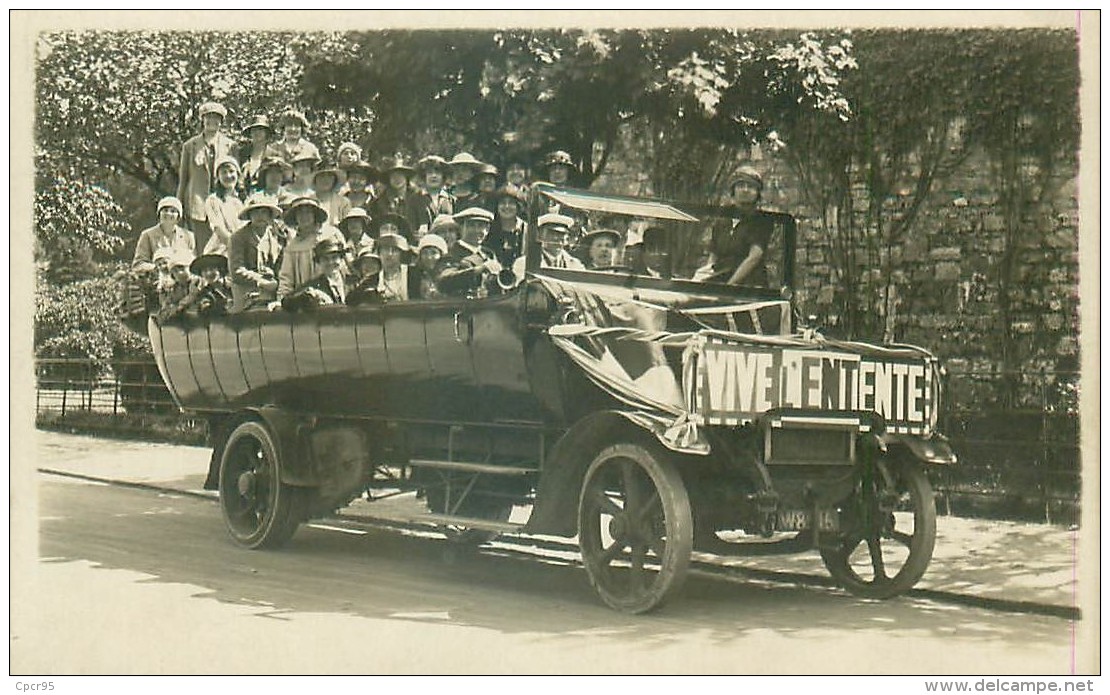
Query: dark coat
(301, 299)
(365, 291)
(408, 205)
(460, 272)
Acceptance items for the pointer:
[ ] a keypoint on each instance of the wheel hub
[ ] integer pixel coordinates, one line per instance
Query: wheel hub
(618, 527)
(246, 484)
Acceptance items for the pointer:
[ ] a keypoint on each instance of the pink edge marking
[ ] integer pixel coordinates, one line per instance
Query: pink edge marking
(1074, 590)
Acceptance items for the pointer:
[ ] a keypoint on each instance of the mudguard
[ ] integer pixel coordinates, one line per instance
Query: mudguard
(934, 449)
(556, 509)
(290, 436)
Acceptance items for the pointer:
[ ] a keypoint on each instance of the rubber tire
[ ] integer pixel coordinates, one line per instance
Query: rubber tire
(910, 477)
(287, 505)
(677, 519)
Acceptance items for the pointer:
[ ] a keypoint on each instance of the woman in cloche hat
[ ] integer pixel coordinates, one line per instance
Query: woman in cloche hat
(254, 254)
(298, 262)
(167, 233)
(292, 145)
(223, 206)
(252, 153)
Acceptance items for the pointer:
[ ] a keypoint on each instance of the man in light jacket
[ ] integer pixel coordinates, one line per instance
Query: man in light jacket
(197, 169)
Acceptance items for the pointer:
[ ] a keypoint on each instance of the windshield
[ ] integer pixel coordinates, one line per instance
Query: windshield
(673, 241)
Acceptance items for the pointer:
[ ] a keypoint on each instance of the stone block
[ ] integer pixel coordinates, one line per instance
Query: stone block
(826, 294)
(945, 253)
(947, 272)
(993, 222)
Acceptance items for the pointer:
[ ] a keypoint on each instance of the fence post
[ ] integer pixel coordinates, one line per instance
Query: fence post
(65, 388)
(115, 391)
(142, 398)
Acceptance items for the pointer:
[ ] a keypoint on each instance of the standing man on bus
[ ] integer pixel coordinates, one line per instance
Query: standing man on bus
(196, 171)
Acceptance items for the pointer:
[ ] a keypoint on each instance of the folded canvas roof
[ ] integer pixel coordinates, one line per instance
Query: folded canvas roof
(619, 205)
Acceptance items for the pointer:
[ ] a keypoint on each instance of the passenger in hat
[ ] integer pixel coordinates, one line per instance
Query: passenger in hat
(196, 171)
(389, 223)
(178, 296)
(422, 277)
(447, 228)
(167, 233)
(469, 268)
(358, 189)
(435, 196)
(298, 262)
(552, 232)
(516, 177)
(560, 166)
(254, 254)
(656, 253)
(325, 183)
(292, 126)
(304, 166)
(487, 180)
(223, 206)
(327, 286)
(394, 251)
(271, 176)
(214, 294)
(355, 226)
(506, 237)
(399, 197)
(464, 169)
(600, 247)
(368, 268)
(346, 157)
(737, 245)
(252, 153)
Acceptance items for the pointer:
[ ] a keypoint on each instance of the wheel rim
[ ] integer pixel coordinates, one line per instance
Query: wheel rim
(889, 542)
(634, 542)
(248, 488)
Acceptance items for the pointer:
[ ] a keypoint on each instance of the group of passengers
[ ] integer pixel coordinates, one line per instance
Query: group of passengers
(272, 228)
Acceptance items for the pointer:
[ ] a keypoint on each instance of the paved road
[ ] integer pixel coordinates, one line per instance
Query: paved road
(137, 581)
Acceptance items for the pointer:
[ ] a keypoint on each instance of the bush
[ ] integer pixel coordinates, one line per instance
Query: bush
(78, 320)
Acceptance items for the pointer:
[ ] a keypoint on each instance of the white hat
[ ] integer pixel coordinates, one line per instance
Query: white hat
(432, 241)
(555, 220)
(170, 202)
(474, 213)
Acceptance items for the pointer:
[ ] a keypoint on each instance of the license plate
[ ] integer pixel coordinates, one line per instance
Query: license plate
(801, 519)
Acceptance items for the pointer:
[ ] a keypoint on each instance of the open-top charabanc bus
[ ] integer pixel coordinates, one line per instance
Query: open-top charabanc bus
(645, 413)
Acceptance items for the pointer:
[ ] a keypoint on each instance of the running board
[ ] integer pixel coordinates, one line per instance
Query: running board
(490, 468)
(470, 522)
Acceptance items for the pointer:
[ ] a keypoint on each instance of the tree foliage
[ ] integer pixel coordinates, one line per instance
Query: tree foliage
(78, 320)
(921, 102)
(124, 101)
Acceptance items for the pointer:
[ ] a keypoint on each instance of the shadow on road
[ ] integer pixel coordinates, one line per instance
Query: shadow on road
(382, 574)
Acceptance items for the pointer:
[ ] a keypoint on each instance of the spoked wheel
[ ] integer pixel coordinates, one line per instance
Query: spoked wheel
(260, 511)
(889, 539)
(635, 528)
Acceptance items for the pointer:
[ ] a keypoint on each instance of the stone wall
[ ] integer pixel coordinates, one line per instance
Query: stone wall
(946, 275)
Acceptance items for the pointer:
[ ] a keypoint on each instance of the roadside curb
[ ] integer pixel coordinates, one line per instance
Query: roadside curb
(730, 572)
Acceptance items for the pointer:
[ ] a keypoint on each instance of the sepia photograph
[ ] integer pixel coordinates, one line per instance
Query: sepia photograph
(745, 343)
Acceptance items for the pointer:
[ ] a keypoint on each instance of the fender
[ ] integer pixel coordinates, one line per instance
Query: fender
(556, 509)
(289, 432)
(935, 449)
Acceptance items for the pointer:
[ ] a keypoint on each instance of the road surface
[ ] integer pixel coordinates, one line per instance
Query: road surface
(141, 581)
